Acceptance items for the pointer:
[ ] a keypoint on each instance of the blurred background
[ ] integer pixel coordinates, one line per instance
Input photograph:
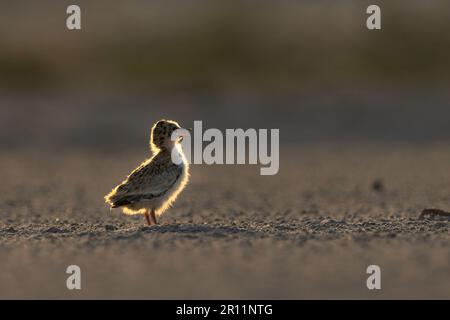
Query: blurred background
(364, 119)
(310, 68)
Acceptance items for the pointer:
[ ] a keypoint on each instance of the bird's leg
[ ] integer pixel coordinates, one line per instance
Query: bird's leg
(153, 216)
(147, 217)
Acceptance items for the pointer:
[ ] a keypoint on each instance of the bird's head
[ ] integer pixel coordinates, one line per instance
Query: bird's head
(161, 135)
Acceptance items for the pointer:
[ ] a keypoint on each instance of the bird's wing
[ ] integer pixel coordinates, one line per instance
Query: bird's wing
(150, 180)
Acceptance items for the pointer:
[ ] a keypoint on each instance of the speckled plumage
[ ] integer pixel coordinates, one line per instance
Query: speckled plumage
(154, 185)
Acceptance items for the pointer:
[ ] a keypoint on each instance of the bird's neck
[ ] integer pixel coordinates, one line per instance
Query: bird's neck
(177, 155)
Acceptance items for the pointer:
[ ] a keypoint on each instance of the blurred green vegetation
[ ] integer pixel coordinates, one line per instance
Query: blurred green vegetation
(268, 47)
(24, 70)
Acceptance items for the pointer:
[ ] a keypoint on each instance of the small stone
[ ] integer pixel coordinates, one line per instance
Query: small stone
(10, 230)
(433, 213)
(377, 185)
(55, 230)
(110, 227)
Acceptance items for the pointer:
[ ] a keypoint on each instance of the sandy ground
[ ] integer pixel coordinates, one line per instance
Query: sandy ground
(309, 232)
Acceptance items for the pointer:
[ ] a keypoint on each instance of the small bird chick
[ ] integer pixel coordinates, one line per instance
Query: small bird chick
(153, 186)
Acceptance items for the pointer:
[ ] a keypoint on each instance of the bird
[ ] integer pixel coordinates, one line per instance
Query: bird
(153, 186)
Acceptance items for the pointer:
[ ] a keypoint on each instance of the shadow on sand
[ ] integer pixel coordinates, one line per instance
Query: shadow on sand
(208, 230)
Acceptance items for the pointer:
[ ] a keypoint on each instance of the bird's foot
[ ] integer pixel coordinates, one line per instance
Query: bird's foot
(150, 217)
(153, 217)
(147, 218)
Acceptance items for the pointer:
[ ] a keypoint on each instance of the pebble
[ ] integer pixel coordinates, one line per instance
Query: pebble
(110, 227)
